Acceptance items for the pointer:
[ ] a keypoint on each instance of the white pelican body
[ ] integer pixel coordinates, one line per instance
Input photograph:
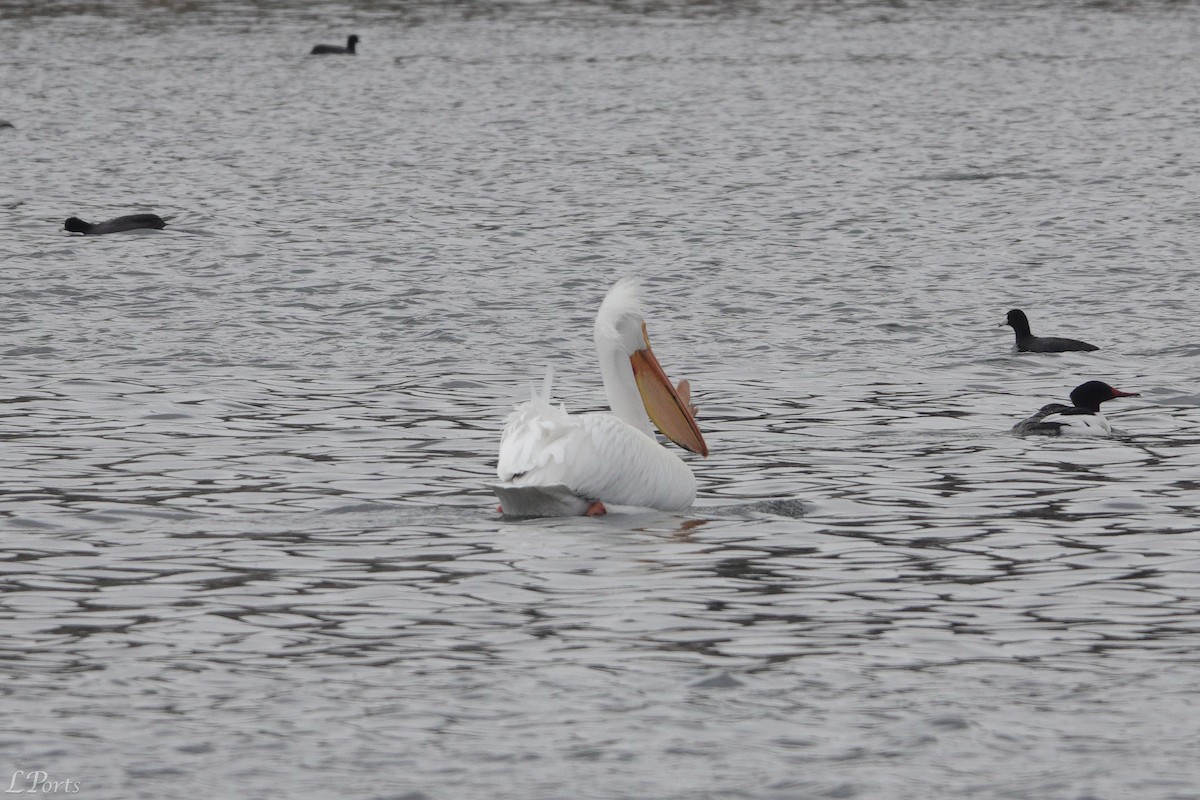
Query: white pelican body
(557, 464)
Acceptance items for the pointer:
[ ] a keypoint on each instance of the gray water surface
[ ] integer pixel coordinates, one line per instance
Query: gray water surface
(248, 546)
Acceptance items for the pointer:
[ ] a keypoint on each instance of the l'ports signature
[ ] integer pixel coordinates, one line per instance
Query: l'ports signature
(38, 782)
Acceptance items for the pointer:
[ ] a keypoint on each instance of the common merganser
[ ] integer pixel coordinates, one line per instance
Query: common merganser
(1082, 419)
(127, 223)
(1028, 343)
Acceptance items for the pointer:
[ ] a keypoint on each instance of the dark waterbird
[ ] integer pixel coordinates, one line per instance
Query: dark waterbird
(130, 222)
(1081, 419)
(1028, 343)
(333, 49)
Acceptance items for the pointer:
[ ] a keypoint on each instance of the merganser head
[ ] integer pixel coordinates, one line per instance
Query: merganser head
(1091, 394)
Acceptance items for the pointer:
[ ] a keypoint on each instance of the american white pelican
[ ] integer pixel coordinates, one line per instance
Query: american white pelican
(557, 464)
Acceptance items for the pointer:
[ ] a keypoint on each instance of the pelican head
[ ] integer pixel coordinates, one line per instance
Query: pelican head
(637, 387)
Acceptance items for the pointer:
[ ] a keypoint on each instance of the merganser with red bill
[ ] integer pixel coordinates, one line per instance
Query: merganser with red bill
(1028, 343)
(555, 464)
(1081, 419)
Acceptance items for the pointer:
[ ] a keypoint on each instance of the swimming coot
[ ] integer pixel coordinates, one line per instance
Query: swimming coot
(332, 49)
(130, 222)
(1028, 343)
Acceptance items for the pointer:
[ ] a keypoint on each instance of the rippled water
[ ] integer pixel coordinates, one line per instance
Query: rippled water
(249, 551)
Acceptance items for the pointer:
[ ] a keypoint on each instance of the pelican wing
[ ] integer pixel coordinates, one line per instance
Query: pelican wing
(594, 456)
